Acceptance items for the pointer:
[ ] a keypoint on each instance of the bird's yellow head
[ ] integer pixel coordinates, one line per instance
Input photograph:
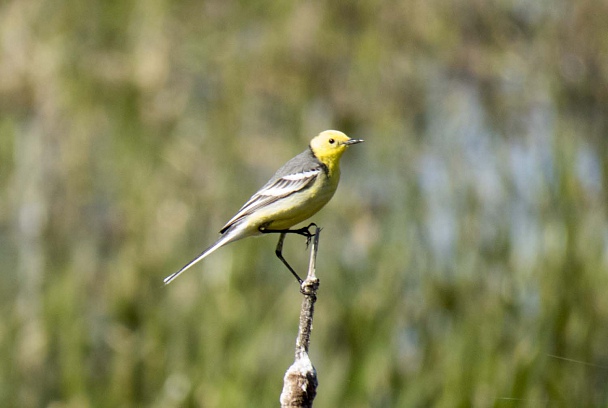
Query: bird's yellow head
(329, 145)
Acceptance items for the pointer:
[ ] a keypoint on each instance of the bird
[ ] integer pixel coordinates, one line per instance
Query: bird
(297, 191)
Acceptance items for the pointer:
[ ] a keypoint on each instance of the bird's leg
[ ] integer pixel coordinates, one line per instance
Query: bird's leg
(304, 231)
(279, 253)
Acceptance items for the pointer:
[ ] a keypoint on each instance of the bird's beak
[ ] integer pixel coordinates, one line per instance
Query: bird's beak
(353, 141)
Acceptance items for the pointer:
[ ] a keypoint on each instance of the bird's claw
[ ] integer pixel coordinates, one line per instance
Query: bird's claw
(309, 235)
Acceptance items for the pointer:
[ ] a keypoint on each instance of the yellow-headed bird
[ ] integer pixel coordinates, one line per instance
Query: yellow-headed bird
(295, 193)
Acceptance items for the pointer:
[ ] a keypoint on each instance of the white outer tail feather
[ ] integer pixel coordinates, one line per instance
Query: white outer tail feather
(228, 237)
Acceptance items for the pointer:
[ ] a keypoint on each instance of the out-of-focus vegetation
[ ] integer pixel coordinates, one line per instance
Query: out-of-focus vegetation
(463, 261)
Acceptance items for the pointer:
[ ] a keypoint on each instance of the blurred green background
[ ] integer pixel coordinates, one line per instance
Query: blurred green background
(464, 258)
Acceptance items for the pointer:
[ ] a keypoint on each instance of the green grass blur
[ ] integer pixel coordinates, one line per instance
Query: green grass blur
(463, 260)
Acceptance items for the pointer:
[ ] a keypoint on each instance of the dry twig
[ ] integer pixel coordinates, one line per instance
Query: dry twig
(300, 381)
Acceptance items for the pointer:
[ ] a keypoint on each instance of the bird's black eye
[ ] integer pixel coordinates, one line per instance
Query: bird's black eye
(331, 141)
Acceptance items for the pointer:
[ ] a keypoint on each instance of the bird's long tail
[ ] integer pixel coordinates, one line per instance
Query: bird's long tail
(228, 237)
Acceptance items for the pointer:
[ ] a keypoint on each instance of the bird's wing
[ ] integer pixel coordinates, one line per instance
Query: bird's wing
(276, 189)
